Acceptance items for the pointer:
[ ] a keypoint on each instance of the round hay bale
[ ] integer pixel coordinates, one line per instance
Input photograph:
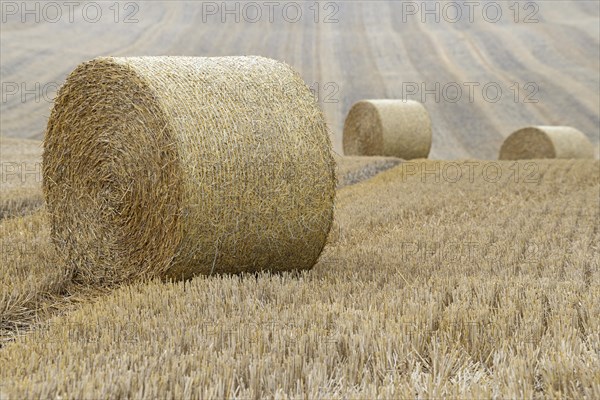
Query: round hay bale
(176, 166)
(394, 128)
(546, 142)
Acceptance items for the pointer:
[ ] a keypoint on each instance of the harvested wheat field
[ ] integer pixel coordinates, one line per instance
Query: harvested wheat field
(20, 176)
(28, 254)
(432, 285)
(548, 60)
(183, 216)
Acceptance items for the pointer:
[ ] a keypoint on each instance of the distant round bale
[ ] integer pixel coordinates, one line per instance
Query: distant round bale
(394, 128)
(175, 166)
(546, 142)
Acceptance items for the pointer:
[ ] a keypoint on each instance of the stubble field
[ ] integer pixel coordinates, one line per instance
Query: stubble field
(434, 283)
(440, 279)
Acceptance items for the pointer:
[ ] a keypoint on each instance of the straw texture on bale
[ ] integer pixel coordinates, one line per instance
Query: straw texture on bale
(177, 166)
(546, 142)
(394, 128)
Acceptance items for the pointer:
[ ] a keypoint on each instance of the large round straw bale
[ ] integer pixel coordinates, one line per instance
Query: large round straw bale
(174, 166)
(394, 128)
(546, 142)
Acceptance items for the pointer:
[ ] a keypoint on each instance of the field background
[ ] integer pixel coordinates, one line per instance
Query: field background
(370, 52)
(435, 283)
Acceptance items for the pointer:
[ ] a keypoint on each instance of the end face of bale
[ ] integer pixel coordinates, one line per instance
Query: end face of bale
(363, 132)
(394, 128)
(540, 142)
(175, 166)
(111, 175)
